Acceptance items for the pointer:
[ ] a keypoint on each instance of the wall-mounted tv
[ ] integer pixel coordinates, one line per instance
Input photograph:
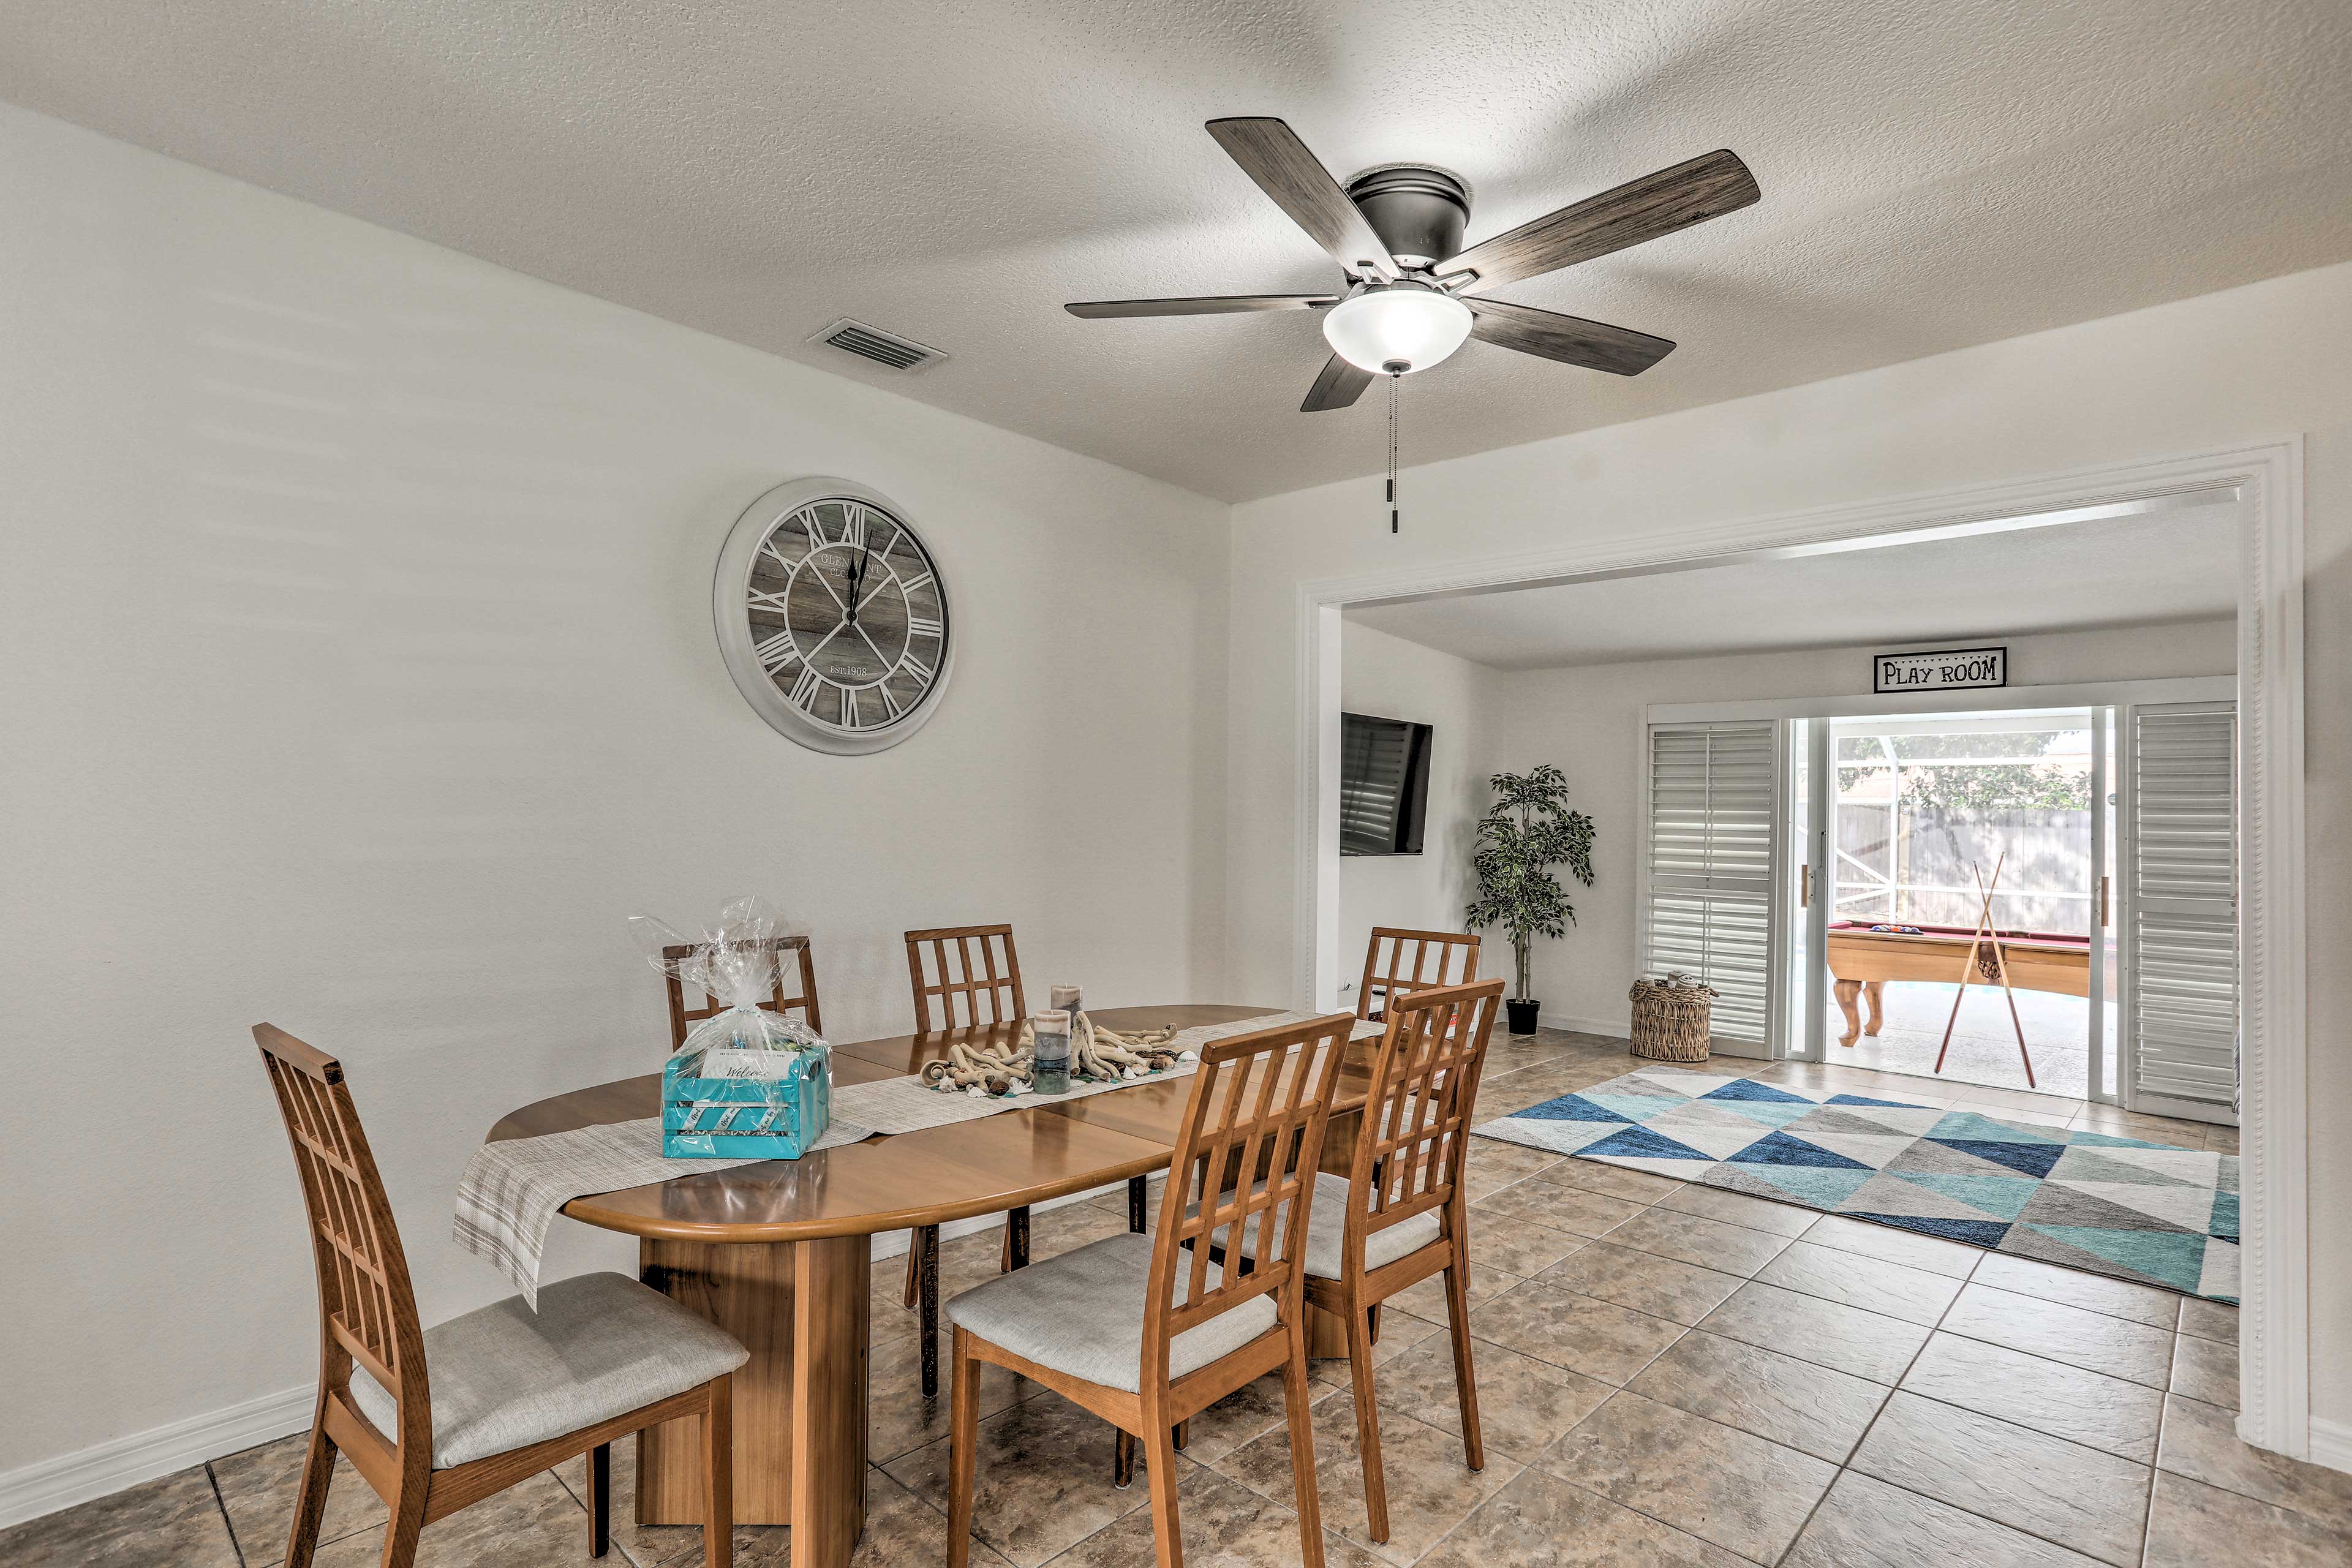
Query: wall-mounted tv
(1383, 785)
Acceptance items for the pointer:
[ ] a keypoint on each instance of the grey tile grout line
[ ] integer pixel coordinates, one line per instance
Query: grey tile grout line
(2016, 1529)
(1937, 1327)
(1524, 1469)
(2153, 1466)
(2154, 1469)
(923, 1502)
(1838, 1470)
(1288, 1508)
(1684, 1330)
(1870, 1426)
(227, 1524)
(2218, 1486)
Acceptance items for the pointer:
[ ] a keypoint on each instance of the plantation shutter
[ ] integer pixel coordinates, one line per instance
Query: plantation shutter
(1710, 863)
(2183, 866)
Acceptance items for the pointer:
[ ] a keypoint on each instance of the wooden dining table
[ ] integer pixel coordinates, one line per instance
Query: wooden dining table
(778, 1252)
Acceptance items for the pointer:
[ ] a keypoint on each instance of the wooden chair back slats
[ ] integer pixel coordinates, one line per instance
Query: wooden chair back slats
(1418, 1109)
(367, 1309)
(1400, 961)
(971, 962)
(682, 1019)
(367, 1318)
(1259, 1101)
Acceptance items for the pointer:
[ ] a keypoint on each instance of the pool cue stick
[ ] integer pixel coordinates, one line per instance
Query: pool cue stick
(1984, 920)
(2000, 966)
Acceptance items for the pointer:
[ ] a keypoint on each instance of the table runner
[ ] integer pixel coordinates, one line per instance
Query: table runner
(513, 1190)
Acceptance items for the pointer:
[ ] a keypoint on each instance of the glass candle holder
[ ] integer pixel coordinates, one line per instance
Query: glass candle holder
(1049, 1068)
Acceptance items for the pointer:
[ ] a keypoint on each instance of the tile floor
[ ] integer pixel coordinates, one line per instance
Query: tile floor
(1668, 1376)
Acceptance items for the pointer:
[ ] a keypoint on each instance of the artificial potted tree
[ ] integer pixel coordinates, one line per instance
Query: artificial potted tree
(1527, 831)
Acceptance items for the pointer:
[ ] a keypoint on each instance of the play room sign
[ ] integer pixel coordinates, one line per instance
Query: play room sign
(1939, 669)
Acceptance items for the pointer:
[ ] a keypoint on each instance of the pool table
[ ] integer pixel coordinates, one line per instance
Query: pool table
(1862, 961)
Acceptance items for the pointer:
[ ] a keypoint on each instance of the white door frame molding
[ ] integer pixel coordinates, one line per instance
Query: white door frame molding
(2274, 1349)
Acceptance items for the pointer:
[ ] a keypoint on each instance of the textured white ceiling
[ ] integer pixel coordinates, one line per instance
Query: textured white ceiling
(1935, 173)
(2175, 567)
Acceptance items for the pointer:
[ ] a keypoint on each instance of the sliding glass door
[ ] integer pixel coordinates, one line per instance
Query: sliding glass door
(1929, 838)
(1842, 883)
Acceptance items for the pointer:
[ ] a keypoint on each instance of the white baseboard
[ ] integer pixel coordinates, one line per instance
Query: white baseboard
(93, 1472)
(1622, 1028)
(2331, 1443)
(1615, 1029)
(2188, 1109)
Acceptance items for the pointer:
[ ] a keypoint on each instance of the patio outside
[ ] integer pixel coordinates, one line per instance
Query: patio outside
(1924, 808)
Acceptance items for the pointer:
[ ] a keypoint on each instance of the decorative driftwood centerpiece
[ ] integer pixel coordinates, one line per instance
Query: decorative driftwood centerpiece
(1096, 1056)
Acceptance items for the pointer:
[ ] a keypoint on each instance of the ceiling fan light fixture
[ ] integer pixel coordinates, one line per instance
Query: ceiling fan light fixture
(1398, 324)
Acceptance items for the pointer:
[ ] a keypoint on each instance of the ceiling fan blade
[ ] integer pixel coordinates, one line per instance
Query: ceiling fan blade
(1648, 208)
(1205, 305)
(1339, 386)
(1270, 153)
(1571, 339)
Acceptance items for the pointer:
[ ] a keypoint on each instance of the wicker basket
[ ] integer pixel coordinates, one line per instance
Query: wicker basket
(1670, 1018)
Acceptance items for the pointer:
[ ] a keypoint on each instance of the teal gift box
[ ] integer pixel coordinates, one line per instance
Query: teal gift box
(745, 1118)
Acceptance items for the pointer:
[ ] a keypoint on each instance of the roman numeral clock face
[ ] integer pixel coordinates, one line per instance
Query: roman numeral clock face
(832, 616)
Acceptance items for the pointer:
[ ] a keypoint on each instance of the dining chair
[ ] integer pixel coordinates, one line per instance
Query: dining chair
(682, 1019)
(1398, 961)
(973, 964)
(1399, 1214)
(511, 1392)
(1146, 1331)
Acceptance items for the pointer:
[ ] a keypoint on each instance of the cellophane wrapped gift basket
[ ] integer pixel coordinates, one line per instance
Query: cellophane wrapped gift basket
(748, 1083)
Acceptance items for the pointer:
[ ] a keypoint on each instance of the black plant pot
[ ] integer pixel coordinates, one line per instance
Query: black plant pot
(1522, 1016)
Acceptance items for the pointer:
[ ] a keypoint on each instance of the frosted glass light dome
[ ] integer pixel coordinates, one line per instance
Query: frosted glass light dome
(1407, 323)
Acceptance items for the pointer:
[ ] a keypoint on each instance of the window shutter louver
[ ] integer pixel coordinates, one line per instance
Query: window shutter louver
(1710, 866)
(2184, 912)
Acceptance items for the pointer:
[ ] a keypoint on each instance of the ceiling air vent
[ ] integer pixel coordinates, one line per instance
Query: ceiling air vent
(883, 348)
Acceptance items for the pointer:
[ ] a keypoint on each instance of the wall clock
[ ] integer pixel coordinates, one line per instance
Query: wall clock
(832, 617)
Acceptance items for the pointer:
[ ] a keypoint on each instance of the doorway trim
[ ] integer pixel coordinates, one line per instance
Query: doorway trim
(2274, 1339)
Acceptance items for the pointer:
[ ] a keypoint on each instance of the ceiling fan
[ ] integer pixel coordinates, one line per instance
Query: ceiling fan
(1413, 293)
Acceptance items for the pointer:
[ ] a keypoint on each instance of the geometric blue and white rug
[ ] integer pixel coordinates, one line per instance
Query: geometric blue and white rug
(2121, 1207)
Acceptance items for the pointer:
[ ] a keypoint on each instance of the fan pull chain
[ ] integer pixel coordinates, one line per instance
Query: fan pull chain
(1394, 376)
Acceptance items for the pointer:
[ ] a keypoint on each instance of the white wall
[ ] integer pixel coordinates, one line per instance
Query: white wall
(1392, 679)
(2251, 366)
(1588, 720)
(358, 676)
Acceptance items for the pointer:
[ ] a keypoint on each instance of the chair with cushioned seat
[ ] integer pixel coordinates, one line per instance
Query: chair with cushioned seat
(1147, 1330)
(975, 963)
(1400, 961)
(1399, 1214)
(511, 1392)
